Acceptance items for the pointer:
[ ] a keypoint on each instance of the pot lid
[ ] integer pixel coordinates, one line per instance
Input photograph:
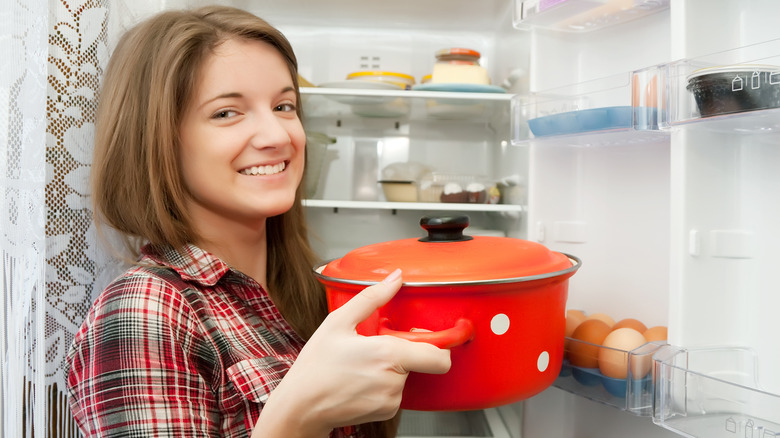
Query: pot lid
(446, 255)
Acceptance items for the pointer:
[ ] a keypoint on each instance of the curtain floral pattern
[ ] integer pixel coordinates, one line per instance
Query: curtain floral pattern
(52, 264)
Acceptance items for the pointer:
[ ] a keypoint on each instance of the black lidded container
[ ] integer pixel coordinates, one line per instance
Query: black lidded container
(735, 88)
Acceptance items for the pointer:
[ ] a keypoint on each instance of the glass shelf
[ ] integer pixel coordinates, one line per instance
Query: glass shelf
(474, 107)
(581, 15)
(428, 206)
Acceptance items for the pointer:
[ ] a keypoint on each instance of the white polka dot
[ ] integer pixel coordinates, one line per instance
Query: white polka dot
(543, 361)
(499, 324)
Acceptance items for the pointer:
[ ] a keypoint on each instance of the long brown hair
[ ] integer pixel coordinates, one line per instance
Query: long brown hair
(136, 184)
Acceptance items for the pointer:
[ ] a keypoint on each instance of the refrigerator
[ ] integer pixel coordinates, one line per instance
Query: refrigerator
(598, 148)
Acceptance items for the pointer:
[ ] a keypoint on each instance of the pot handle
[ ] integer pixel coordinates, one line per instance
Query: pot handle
(460, 333)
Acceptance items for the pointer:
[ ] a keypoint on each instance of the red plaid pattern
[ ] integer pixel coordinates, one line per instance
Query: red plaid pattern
(185, 348)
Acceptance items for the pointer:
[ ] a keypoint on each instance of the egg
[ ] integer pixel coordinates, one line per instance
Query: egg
(657, 333)
(630, 323)
(573, 319)
(592, 333)
(613, 358)
(603, 317)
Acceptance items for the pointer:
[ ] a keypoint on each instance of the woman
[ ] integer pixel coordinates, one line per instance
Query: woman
(220, 329)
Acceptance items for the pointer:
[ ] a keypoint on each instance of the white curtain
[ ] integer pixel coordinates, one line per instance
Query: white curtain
(52, 56)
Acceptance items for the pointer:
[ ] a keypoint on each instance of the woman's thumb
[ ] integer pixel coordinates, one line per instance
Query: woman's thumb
(362, 305)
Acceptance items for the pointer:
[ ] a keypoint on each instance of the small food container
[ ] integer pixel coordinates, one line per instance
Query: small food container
(400, 80)
(497, 302)
(399, 180)
(457, 189)
(735, 88)
(399, 191)
(459, 66)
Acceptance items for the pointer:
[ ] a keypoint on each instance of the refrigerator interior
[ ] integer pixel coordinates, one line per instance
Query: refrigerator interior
(673, 214)
(676, 219)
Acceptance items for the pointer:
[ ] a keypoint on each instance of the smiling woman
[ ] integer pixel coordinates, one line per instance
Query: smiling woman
(242, 131)
(220, 328)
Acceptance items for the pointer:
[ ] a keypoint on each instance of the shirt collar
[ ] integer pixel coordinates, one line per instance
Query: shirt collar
(190, 262)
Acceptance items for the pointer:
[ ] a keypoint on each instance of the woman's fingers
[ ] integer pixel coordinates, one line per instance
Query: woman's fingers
(362, 305)
(422, 357)
(409, 356)
(405, 356)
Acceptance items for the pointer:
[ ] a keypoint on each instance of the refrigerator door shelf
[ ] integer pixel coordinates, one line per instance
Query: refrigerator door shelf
(713, 393)
(594, 119)
(735, 86)
(581, 15)
(703, 392)
(632, 394)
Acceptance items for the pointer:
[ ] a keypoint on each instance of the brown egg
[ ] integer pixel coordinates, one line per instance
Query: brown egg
(603, 317)
(630, 323)
(613, 358)
(585, 354)
(573, 319)
(657, 333)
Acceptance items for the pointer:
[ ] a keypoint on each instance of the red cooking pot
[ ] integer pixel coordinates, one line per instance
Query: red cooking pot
(498, 303)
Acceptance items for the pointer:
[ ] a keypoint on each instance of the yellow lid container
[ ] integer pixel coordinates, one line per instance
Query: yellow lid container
(401, 80)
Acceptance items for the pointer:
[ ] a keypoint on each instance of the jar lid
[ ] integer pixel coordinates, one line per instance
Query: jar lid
(446, 256)
(458, 51)
(374, 73)
(736, 68)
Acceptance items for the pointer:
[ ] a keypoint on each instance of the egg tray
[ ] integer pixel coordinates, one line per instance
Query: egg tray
(633, 394)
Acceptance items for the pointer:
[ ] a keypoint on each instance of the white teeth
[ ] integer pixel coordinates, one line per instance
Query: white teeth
(264, 170)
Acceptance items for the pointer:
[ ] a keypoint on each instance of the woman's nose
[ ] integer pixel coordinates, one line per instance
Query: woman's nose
(269, 131)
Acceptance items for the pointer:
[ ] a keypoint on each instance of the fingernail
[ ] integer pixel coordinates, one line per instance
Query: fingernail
(395, 275)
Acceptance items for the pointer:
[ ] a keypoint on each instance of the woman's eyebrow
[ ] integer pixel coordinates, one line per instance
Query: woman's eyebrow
(235, 94)
(222, 96)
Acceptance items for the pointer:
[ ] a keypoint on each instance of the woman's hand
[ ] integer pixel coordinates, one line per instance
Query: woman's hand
(341, 378)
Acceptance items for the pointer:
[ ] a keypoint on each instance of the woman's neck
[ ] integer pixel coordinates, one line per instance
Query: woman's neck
(242, 247)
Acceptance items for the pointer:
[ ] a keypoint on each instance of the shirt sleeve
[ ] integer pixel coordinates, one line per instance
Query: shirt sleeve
(129, 373)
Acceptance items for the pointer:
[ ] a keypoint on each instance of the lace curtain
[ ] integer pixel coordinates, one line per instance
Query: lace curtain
(53, 55)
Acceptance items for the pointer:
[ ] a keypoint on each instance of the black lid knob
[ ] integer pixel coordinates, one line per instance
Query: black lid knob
(445, 228)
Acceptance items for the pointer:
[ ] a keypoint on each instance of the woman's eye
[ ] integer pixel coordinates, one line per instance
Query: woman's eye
(285, 107)
(224, 114)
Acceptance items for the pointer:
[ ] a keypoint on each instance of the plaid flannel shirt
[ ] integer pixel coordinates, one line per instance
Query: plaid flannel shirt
(181, 349)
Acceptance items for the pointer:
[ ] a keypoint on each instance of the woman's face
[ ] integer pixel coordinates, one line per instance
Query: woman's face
(242, 143)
